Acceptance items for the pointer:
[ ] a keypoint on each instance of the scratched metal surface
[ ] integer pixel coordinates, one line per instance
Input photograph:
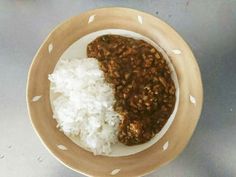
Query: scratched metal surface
(209, 26)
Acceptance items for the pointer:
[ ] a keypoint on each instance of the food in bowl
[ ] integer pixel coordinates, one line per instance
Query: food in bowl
(84, 105)
(143, 88)
(122, 93)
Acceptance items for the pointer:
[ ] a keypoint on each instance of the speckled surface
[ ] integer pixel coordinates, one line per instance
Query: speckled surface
(209, 26)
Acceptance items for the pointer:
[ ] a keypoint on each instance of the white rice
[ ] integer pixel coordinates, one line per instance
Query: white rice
(84, 107)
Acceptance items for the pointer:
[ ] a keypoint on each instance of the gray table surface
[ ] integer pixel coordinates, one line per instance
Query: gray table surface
(209, 26)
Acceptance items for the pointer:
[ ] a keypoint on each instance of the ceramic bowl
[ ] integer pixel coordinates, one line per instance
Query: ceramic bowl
(182, 59)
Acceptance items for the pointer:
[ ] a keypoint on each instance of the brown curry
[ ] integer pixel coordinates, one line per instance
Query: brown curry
(143, 87)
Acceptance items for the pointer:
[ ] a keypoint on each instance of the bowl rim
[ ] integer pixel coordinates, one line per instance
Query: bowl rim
(200, 102)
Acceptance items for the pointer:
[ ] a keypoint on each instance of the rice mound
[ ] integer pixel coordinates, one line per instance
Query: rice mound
(84, 106)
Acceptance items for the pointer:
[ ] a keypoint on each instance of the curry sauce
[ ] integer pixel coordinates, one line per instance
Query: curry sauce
(143, 87)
